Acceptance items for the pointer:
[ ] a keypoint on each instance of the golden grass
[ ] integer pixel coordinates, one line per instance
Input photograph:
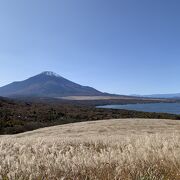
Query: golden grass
(132, 149)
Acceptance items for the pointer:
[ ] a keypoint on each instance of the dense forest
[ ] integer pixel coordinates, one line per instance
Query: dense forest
(18, 116)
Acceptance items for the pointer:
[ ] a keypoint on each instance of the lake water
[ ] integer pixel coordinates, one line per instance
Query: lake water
(173, 108)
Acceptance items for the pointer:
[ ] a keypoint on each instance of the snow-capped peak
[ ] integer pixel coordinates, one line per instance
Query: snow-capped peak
(50, 73)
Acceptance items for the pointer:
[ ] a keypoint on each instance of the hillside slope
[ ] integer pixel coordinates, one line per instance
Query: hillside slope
(107, 128)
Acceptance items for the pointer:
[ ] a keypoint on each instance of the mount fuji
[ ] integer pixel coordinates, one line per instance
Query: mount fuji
(47, 84)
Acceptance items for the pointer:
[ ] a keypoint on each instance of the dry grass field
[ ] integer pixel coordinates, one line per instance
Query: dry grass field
(91, 98)
(125, 149)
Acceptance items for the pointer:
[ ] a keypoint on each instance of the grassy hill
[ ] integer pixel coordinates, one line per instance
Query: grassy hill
(109, 149)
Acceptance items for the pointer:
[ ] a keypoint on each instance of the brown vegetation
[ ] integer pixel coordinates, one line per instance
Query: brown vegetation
(17, 117)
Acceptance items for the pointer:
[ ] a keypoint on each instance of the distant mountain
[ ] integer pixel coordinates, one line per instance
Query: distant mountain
(47, 84)
(173, 96)
(160, 96)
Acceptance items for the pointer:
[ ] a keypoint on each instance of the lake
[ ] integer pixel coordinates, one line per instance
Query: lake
(172, 108)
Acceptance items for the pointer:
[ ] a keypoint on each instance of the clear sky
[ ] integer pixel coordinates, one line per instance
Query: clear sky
(116, 46)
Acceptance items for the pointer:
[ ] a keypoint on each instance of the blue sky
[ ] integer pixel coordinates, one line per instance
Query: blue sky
(117, 46)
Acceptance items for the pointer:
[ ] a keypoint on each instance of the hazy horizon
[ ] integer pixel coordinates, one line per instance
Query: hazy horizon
(123, 47)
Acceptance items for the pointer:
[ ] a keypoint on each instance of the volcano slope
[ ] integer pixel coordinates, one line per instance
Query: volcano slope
(107, 149)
